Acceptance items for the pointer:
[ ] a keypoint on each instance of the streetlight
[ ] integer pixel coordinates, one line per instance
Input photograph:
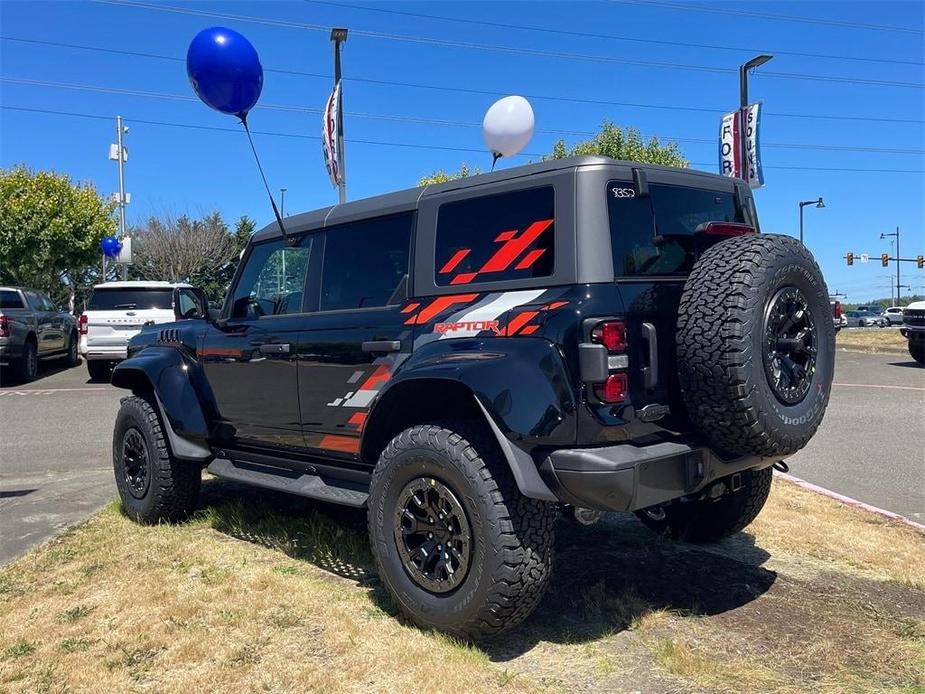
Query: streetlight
(743, 104)
(818, 203)
(896, 258)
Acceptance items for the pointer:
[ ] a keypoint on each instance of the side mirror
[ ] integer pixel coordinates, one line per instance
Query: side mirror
(190, 303)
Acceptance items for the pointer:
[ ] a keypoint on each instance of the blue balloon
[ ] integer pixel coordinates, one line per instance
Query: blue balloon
(111, 246)
(225, 71)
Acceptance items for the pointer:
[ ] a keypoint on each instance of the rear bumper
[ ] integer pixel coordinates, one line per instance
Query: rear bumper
(629, 478)
(110, 353)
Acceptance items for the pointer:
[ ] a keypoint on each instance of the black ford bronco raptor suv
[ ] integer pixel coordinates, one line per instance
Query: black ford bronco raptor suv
(466, 359)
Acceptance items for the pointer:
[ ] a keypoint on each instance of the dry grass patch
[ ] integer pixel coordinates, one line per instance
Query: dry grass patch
(879, 341)
(266, 592)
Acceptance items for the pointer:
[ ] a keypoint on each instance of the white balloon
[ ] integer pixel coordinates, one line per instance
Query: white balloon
(508, 126)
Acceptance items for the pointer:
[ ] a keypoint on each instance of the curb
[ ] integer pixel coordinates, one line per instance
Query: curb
(848, 501)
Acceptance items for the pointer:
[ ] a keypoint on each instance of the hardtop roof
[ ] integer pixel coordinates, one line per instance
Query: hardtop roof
(408, 200)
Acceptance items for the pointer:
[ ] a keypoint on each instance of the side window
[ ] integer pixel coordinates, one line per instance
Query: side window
(496, 237)
(34, 300)
(365, 262)
(48, 304)
(190, 305)
(273, 280)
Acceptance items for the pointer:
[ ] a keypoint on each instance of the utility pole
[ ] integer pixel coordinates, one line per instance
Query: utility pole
(743, 105)
(121, 159)
(339, 36)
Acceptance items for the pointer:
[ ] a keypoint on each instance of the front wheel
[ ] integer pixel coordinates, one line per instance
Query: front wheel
(707, 520)
(455, 543)
(917, 351)
(153, 485)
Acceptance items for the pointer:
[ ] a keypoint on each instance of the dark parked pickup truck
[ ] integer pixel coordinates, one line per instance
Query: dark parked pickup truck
(32, 327)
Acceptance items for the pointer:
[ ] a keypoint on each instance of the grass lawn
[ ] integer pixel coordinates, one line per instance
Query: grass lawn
(872, 341)
(263, 592)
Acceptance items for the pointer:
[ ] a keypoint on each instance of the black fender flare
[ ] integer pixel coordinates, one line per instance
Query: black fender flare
(517, 385)
(167, 374)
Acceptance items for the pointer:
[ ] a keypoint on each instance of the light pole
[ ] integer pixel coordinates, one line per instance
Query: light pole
(896, 257)
(743, 104)
(338, 36)
(818, 203)
(282, 202)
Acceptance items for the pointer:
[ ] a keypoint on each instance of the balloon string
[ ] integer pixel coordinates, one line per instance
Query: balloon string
(279, 219)
(495, 156)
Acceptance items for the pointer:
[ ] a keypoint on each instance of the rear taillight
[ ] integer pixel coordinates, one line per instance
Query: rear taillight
(725, 229)
(4, 326)
(612, 335)
(614, 389)
(82, 324)
(837, 309)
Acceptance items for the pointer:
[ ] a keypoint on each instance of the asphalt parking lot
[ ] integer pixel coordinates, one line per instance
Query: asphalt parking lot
(55, 436)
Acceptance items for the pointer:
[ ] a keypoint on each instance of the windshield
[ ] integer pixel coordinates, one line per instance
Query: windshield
(130, 299)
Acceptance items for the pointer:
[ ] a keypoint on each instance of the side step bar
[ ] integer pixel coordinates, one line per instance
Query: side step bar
(310, 486)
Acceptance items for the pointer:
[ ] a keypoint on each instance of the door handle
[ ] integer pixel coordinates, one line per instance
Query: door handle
(382, 346)
(274, 348)
(650, 371)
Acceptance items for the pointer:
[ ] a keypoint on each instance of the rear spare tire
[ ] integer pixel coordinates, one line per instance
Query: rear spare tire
(756, 345)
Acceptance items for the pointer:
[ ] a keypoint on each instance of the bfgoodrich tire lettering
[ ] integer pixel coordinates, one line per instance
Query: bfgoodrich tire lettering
(511, 535)
(722, 345)
(170, 487)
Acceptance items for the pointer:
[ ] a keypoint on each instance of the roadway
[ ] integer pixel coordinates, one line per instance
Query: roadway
(55, 437)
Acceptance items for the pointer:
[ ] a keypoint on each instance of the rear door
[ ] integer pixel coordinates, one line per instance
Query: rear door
(116, 314)
(357, 336)
(249, 360)
(47, 339)
(655, 241)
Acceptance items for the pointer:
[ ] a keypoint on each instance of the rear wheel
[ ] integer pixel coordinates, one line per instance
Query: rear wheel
(707, 520)
(756, 345)
(27, 366)
(153, 485)
(455, 543)
(98, 370)
(71, 357)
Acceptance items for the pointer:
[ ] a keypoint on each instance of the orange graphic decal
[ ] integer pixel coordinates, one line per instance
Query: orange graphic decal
(438, 305)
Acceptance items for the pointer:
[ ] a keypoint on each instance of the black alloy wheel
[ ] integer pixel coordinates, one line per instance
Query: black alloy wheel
(790, 345)
(135, 468)
(433, 535)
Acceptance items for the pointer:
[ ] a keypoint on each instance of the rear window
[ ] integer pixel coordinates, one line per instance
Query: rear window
(496, 237)
(657, 234)
(10, 299)
(130, 299)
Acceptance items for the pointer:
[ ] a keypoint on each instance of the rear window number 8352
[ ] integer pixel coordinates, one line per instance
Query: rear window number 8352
(623, 192)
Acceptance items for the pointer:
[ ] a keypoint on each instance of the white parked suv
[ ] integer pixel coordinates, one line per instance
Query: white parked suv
(116, 312)
(894, 315)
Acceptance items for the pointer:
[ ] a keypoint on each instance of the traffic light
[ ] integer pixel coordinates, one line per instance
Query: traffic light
(850, 257)
(885, 259)
(920, 261)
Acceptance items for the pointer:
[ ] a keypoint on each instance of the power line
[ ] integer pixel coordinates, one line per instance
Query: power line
(612, 37)
(562, 55)
(481, 92)
(429, 121)
(776, 17)
(410, 145)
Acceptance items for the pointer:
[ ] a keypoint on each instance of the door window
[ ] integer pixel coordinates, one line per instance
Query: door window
(365, 263)
(273, 280)
(496, 237)
(190, 304)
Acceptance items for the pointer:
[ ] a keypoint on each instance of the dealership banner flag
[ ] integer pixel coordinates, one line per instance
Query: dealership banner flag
(733, 127)
(330, 136)
(751, 118)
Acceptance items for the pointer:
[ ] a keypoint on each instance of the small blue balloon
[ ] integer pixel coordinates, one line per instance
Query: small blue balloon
(111, 246)
(225, 71)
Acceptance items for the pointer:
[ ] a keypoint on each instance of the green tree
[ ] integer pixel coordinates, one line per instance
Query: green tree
(618, 143)
(50, 231)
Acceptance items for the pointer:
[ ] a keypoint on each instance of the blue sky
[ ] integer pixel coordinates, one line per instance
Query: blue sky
(180, 169)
